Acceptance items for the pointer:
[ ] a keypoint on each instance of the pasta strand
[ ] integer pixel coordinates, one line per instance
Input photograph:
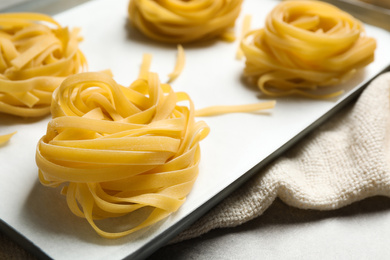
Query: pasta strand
(5, 138)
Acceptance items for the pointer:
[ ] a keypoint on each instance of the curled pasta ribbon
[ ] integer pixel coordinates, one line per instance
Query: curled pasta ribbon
(119, 149)
(36, 55)
(176, 21)
(305, 46)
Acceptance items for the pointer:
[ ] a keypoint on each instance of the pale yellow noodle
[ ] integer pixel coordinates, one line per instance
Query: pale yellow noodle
(246, 25)
(119, 149)
(36, 55)
(5, 138)
(219, 110)
(179, 66)
(304, 47)
(177, 21)
(180, 61)
(145, 66)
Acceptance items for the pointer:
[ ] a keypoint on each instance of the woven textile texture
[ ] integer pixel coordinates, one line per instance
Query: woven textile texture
(341, 162)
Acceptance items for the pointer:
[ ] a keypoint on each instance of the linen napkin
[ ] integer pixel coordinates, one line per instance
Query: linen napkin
(343, 161)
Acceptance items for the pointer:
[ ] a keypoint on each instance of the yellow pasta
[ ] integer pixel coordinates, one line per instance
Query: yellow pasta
(36, 55)
(244, 30)
(120, 149)
(180, 61)
(304, 47)
(177, 21)
(5, 138)
(247, 108)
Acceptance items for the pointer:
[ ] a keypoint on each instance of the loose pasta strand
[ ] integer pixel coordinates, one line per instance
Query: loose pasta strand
(219, 110)
(180, 61)
(5, 138)
(179, 66)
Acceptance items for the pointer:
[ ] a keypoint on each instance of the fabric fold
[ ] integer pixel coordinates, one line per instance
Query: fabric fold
(343, 161)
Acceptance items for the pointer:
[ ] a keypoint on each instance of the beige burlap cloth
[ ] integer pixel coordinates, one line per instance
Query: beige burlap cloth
(341, 162)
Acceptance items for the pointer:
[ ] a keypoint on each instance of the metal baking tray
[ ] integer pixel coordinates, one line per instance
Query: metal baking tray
(239, 145)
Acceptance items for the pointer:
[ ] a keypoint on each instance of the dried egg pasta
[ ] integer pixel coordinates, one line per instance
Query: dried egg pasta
(176, 21)
(306, 46)
(36, 55)
(120, 149)
(5, 138)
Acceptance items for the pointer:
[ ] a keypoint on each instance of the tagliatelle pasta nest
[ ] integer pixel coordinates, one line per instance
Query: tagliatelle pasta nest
(119, 149)
(36, 55)
(306, 46)
(177, 21)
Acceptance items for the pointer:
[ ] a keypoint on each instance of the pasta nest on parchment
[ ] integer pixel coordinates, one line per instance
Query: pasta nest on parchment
(36, 55)
(305, 46)
(176, 21)
(117, 150)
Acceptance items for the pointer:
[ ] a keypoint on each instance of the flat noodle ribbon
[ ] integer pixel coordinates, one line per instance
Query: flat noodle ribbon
(176, 21)
(36, 54)
(304, 47)
(5, 138)
(119, 149)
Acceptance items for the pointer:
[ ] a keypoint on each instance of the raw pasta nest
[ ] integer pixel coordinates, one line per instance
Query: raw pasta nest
(178, 21)
(36, 55)
(306, 45)
(119, 149)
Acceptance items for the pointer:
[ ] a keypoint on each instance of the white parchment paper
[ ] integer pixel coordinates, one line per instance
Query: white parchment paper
(212, 76)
